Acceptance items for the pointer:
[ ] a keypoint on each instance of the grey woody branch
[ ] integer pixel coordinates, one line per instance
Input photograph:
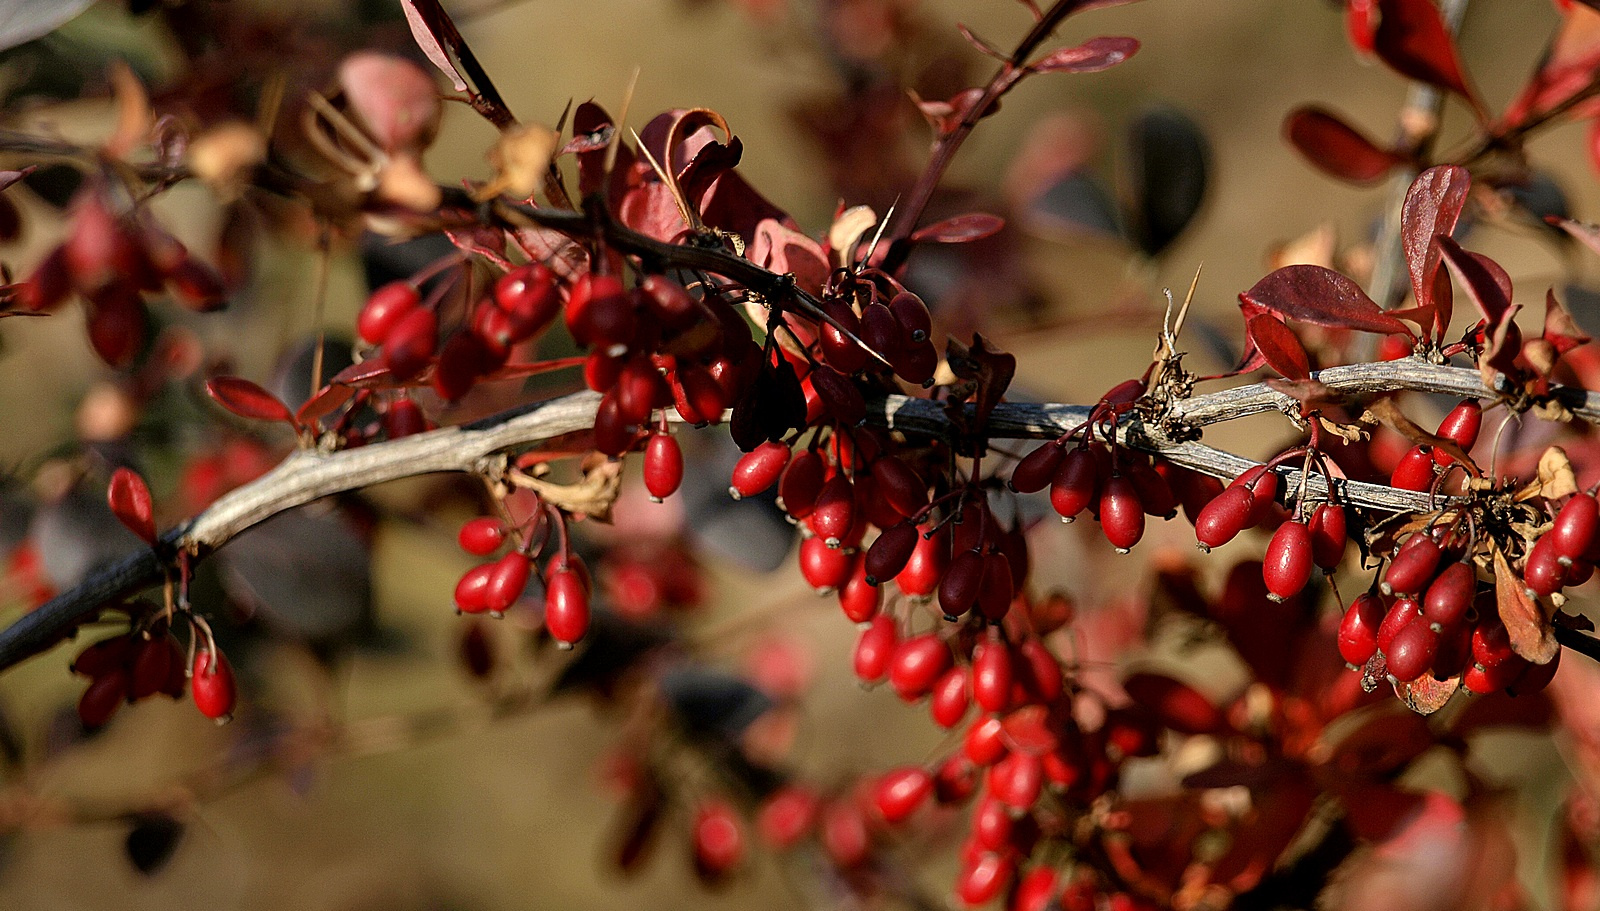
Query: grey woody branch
(309, 475)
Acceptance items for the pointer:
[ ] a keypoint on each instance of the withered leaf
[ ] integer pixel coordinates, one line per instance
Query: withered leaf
(591, 497)
(1425, 695)
(1532, 635)
(1556, 477)
(520, 159)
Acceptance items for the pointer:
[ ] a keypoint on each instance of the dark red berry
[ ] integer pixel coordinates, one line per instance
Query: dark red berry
(1121, 513)
(802, 484)
(890, 553)
(101, 699)
(959, 589)
(528, 295)
(1287, 567)
(384, 309)
(1036, 469)
(1450, 597)
(903, 488)
(1412, 650)
(1574, 528)
(1413, 566)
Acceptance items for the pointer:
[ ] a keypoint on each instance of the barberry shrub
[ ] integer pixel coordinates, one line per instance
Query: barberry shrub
(1161, 667)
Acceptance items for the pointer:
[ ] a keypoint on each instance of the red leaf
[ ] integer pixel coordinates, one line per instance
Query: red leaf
(1336, 147)
(1486, 283)
(1278, 344)
(1314, 294)
(1092, 56)
(1560, 329)
(519, 371)
(130, 501)
(1433, 206)
(1412, 39)
(327, 400)
(961, 229)
(1027, 730)
(247, 400)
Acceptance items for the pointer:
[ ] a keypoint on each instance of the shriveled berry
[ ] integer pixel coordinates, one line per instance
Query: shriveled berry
(482, 536)
(917, 664)
(1121, 513)
(758, 470)
(900, 792)
(212, 685)
(1287, 567)
(875, 648)
(1034, 472)
(663, 466)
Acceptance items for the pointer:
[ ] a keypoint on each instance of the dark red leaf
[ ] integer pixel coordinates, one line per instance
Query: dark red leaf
(987, 366)
(1486, 283)
(441, 42)
(1314, 294)
(1092, 56)
(247, 400)
(1433, 206)
(519, 371)
(1179, 706)
(327, 400)
(1336, 147)
(1376, 810)
(1413, 40)
(130, 501)
(1278, 344)
(961, 229)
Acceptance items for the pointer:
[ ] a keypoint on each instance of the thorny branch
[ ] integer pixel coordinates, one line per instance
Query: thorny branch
(308, 475)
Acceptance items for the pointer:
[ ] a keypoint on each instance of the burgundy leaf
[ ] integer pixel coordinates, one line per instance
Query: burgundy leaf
(327, 400)
(1560, 329)
(1486, 283)
(989, 367)
(961, 229)
(432, 48)
(1413, 40)
(130, 501)
(1336, 147)
(1092, 56)
(440, 41)
(1278, 344)
(1433, 206)
(247, 400)
(1178, 706)
(520, 371)
(1314, 294)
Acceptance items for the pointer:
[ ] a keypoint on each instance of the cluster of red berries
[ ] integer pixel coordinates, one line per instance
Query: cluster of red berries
(113, 261)
(494, 587)
(136, 665)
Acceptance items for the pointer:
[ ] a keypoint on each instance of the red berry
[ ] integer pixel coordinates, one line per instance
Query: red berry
(1328, 535)
(787, 816)
(1358, 631)
(1461, 427)
(1034, 472)
(1413, 566)
(999, 587)
(917, 664)
(1017, 780)
(718, 839)
(1450, 596)
(875, 649)
(663, 466)
(835, 510)
(825, 568)
(1535, 677)
(912, 315)
(983, 878)
(1262, 483)
(409, 346)
(949, 700)
(528, 294)
(1491, 644)
(992, 675)
(1287, 567)
(925, 569)
(599, 311)
(1121, 513)
(859, 598)
(1574, 528)
(506, 582)
(152, 664)
(844, 833)
(890, 553)
(566, 605)
(212, 685)
(758, 469)
(1076, 483)
(839, 395)
(384, 309)
(670, 302)
(1544, 573)
(1400, 614)
(1412, 650)
(104, 695)
(1224, 517)
(802, 484)
(899, 792)
(902, 487)
(100, 658)
(404, 418)
(482, 536)
(1415, 470)
(471, 596)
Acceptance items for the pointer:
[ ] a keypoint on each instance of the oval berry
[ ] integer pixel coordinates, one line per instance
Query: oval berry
(824, 568)
(1329, 536)
(101, 699)
(874, 649)
(718, 839)
(663, 466)
(482, 536)
(858, 597)
(1450, 596)
(1574, 528)
(758, 469)
(1415, 469)
(212, 685)
(528, 295)
(917, 664)
(926, 568)
(1121, 513)
(1461, 427)
(507, 580)
(1075, 485)
(959, 589)
(1358, 631)
(984, 877)
(566, 606)
(1036, 469)
(1412, 650)
(1413, 566)
(949, 700)
(384, 309)
(890, 553)
(900, 792)
(801, 484)
(992, 676)
(1224, 517)
(1287, 567)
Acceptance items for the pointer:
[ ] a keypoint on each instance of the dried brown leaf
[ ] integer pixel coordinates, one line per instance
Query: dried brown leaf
(1526, 620)
(592, 497)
